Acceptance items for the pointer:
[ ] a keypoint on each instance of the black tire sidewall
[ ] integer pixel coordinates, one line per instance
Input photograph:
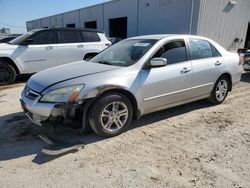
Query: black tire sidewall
(4, 64)
(97, 108)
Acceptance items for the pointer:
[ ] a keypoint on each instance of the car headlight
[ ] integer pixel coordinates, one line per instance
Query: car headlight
(66, 94)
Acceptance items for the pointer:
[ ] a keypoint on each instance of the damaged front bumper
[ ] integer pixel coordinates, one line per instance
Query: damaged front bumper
(41, 113)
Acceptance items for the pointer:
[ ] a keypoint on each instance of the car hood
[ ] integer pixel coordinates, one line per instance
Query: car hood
(5, 46)
(44, 79)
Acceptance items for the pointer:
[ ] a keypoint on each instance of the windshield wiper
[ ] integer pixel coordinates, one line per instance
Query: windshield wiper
(105, 62)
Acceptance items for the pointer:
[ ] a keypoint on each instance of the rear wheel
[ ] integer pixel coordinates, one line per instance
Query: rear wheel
(220, 91)
(7, 73)
(111, 115)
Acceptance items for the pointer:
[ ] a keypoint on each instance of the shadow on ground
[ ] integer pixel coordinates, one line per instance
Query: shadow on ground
(245, 77)
(20, 80)
(17, 138)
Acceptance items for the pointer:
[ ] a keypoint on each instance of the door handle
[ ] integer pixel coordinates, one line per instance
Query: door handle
(49, 48)
(185, 70)
(217, 63)
(80, 46)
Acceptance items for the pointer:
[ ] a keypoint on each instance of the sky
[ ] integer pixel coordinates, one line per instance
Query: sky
(15, 13)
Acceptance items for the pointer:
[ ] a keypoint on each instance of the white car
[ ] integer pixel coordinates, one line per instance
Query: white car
(132, 78)
(45, 48)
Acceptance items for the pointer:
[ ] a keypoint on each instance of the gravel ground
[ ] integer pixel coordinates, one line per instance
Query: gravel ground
(194, 145)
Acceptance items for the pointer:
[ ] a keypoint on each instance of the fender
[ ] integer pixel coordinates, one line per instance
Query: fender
(9, 60)
(98, 91)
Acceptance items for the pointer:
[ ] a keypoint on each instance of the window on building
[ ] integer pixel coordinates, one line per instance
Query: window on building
(91, 25)
(68, 36)
(72, 25)
(174, 52)
(43, 37)
(90, 36)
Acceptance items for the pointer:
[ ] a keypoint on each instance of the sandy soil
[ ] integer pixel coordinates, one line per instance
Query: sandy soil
(194, 145)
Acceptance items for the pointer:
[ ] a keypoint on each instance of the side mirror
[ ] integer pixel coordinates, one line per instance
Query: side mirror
(158, 62)
(28, 41)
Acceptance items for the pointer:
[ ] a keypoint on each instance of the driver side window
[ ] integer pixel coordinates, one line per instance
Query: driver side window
(174, 52)
(43, 37)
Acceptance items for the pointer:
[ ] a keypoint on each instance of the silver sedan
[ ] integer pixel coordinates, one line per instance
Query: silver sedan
(134, 77)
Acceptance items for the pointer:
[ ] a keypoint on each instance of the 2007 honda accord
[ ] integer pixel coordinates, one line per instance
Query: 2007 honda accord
(134, 77)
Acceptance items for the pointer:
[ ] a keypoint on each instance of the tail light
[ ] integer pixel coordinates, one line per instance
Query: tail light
(241, 58)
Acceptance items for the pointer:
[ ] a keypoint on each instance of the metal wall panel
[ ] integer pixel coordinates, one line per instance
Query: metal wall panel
(94, 13)
(223, 22)
(45, 22)
(71, 17)
(164, 16)
(57, 20)
(36, 24)
(122, 8)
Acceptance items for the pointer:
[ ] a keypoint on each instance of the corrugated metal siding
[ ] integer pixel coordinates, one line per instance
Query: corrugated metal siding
(57, 20)
(94, 13)
(45, 22)
(223, 23)
(164, 16)
(122, 8)
(71, 18)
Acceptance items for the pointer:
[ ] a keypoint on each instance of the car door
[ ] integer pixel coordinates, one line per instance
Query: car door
(167, 85)
(70, 47)
(207, 65)
(39, 53)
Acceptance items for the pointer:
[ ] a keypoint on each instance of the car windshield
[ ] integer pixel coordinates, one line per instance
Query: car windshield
(124, 53)
(21, 39)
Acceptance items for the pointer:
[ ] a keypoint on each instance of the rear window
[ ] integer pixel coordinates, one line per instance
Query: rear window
(215, 52)
(200, 49)
(68, 37)
(90, 36)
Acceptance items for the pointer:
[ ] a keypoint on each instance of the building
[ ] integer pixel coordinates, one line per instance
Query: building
(4, 31)
(225, 21)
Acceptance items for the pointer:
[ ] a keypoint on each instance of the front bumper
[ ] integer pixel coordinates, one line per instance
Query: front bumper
(41, 113)
(35, 110)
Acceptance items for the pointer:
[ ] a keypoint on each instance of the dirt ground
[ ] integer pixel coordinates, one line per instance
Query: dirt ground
(194, 145)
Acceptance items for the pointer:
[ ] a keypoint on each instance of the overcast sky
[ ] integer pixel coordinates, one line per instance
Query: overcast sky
(15, 13)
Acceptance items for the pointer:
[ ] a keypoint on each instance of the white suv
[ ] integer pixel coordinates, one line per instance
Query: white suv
(44, 48)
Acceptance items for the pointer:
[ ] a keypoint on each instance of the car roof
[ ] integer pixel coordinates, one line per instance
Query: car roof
(162, 36)
(70, 29)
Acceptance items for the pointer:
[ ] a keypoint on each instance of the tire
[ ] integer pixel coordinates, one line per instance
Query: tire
(220, 90)
(7, 73)
(111, 115)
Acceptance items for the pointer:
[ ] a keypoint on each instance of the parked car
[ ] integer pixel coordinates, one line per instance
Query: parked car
(246, 56)
(8, 38)
(44, 48)
(132, 78)
(115, 40)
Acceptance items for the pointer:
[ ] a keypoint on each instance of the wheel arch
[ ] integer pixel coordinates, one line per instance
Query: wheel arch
(128, 94)
(11, 62)
(227, 75)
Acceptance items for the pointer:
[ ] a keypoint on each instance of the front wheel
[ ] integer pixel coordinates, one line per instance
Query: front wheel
(111, 115)
(7, 73)
(220, 91)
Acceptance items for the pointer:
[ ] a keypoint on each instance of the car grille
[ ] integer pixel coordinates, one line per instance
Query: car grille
(30, 94)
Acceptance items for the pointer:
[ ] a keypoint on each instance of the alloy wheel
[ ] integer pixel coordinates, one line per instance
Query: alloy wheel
(114, 116)
(221, 90)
